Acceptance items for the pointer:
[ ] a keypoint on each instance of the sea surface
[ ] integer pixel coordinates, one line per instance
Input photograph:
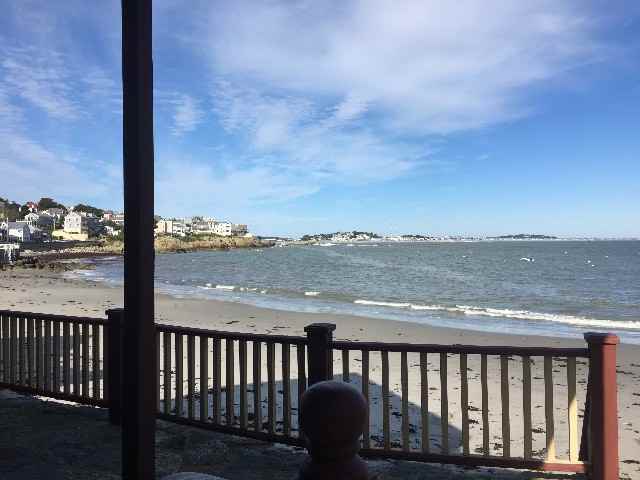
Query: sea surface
(552, 288)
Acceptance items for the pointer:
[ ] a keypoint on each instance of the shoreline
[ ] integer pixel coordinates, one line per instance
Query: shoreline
(49, 292)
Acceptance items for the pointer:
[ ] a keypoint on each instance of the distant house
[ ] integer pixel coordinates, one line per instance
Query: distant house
(76, 223)
(107, 216)
(79, 226)
(118, 218)
(42, 221)
(32, 206)
(228, 229)
(171, 227)
(56, 213)
(18, 232)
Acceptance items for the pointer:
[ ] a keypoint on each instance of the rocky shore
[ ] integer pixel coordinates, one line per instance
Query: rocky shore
(55, 259)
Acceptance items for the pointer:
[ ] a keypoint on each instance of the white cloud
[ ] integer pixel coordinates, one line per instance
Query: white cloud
(41, 78)
(30, 169)
(359, 91)
(187, 115)
(425, 66)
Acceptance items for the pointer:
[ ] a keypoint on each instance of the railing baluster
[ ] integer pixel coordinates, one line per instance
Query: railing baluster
(6, 348)
(464, 403)
(31, 354)
(230, 383)
(257, 386)
(548, 408)
(386, 434)
(191, 375)
(271, 387)
(526, 406)
(217, 379)
(95, 359)
(47, 355)
(424, 402)
(345, 365)
(85, 360)
(484, 384)
(572, 409)
(204, 379)
(39, 354)
(302, 377)
(404, 381)
(2, 348)
(504, 398)
(242, 357)
(166, 370)
(14, 349)
(366, 441)
(66, 354)
(21, 348)
(56, 357)
(179, 373)
(286, 389)
(157, 371)
(76, 359)
(444, 404)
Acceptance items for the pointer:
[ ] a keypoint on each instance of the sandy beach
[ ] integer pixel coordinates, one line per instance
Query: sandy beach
(41, 291)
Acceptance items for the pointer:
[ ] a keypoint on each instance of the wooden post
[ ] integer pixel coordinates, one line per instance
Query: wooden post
(114, 359)
(603, 406)
(140, 375)
(320, 339)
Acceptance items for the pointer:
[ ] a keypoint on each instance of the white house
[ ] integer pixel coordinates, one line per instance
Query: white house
(18, 232)
(76, 223)
(42, 221)
(171, 227)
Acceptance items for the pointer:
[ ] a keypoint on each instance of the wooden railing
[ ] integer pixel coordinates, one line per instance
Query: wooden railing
(53, 355)
(428, 415)
(432, 403)
(245, 384)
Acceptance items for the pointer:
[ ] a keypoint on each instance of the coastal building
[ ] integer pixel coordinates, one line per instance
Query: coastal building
(31, 206)
(107, 216)
(203, 225)
(118, 219)
(42, 221)
(79, 226)
(228, 229)
(171, 227)
(18, 232)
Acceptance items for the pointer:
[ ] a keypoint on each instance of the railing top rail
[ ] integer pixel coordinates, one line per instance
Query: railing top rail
(457, 349)
(59, 318)
(257, 337)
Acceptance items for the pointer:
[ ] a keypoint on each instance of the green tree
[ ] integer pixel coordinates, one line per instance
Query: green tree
(9, 210)
(24, 211)
(46, 203)
(88, 209)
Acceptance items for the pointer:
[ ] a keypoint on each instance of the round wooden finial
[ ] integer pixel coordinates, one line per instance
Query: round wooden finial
(332, 419)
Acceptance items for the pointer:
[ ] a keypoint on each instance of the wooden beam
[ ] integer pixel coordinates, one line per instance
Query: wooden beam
(140, 375)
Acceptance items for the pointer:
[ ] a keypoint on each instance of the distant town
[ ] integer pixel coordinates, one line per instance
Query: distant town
(47, 221)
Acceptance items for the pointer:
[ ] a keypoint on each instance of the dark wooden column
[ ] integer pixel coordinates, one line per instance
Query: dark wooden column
(139, 372)
(320, 339)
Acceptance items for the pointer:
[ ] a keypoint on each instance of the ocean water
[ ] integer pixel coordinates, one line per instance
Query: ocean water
(554, 288)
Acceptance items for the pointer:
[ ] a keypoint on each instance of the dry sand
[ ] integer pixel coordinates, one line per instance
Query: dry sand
(39, 291)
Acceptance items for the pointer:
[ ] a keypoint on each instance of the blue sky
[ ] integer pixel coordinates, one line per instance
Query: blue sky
(485, 117)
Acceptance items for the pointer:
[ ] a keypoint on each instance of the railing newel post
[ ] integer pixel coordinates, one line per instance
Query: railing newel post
(114, 359)
(603, 406)
(320, 344)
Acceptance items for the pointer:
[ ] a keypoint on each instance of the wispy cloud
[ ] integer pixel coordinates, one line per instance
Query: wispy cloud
(428, 67)
(187, 115)
(42, 79)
